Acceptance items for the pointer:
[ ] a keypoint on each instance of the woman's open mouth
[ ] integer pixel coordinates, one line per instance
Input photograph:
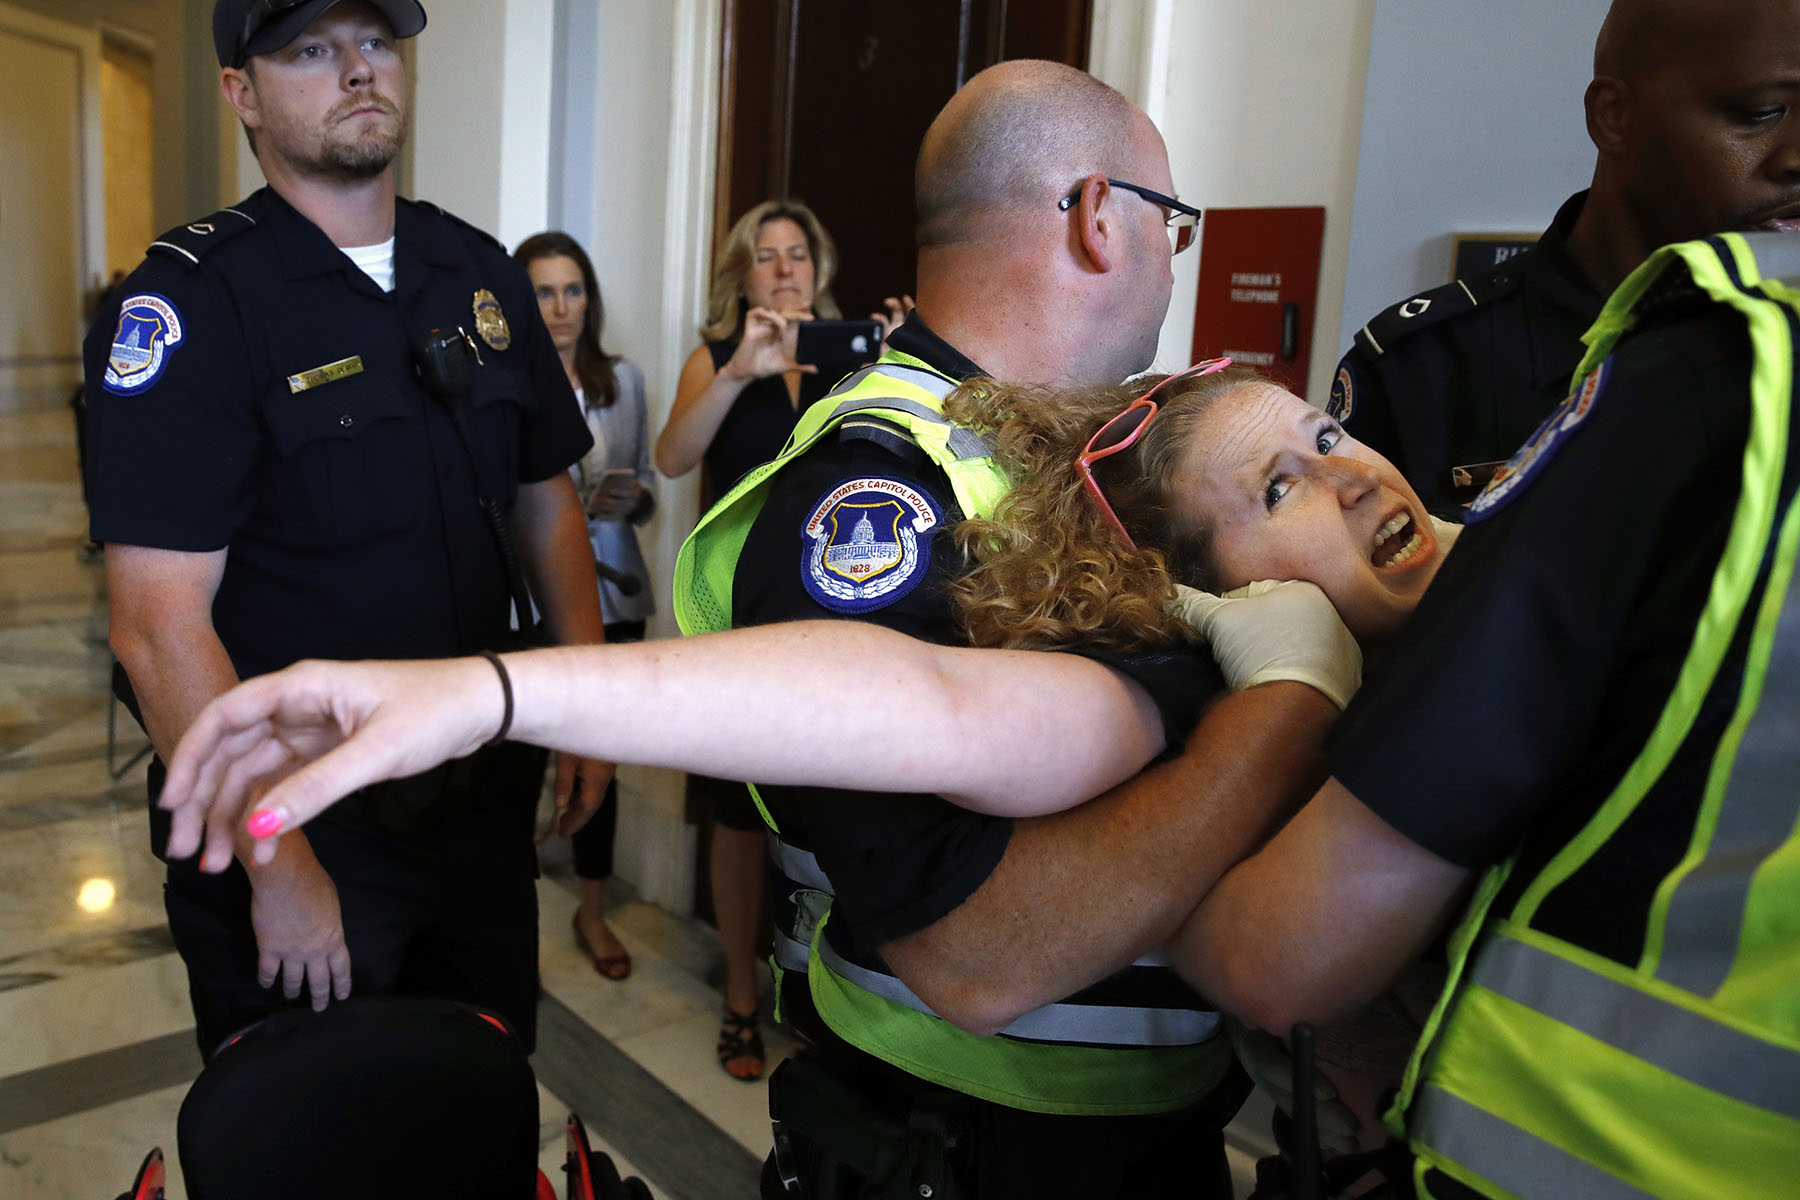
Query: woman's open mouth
(1397, 541)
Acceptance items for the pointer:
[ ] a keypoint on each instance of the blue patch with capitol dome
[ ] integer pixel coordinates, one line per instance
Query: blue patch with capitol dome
(1510, 481)
(149, 333)
(868, 543)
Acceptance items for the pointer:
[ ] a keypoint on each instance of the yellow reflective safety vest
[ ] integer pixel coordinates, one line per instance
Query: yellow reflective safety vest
(1129, 1045)
(1551, 1071)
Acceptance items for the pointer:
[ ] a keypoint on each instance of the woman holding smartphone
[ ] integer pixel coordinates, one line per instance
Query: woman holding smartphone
(616, 487)
(739, 396)
(740, 393)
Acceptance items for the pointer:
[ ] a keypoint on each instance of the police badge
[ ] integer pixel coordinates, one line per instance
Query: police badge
(149, 331)
(865, 545)
(490, 322)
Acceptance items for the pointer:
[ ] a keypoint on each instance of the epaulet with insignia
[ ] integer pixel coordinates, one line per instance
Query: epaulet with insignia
(451, 217)
(1671, 294)
(193, 241)
(1428, 308)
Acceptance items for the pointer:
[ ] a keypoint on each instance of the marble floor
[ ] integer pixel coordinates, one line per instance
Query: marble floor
(96, 1042)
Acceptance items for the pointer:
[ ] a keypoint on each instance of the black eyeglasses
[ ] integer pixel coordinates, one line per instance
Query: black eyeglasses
(1182, 219)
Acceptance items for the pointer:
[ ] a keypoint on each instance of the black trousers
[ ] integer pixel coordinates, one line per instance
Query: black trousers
(441, 901)
(1010, 1154)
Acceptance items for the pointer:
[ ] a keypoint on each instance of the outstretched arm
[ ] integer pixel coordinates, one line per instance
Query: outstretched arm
(762, 703)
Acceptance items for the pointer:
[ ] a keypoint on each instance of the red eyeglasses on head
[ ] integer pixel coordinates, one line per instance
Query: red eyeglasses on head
(1123, 431)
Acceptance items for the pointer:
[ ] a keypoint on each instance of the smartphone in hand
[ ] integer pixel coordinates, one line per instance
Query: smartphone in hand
(843, 343)
(614, 496)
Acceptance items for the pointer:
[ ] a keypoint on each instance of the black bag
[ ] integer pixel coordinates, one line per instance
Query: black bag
(834, 1143)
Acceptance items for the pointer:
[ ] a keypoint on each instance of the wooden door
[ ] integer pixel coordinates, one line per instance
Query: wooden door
(827, 100)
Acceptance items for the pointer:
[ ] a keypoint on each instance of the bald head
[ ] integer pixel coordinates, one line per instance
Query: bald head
(1637, 35)
(1693, 109)
(1020, 134)
(1641, 38)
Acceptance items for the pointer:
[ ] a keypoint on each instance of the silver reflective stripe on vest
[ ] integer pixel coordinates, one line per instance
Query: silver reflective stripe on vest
(788, 954)
(799, 865)
(964, 443)
(929, 381)
(1702, 1051)
(806, 886)
(1761, 805)
(1500, 1152)
(1100, 1025)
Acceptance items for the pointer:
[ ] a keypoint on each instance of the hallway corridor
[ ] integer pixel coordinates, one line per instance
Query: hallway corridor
(96, 1035)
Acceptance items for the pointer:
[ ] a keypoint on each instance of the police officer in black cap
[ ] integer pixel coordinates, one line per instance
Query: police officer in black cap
(275, 479)
(1682, 111)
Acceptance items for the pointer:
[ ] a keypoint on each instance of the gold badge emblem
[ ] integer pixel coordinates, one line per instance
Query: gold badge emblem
(490, 322)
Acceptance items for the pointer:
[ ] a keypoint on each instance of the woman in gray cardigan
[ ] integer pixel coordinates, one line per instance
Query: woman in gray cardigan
(616, 486)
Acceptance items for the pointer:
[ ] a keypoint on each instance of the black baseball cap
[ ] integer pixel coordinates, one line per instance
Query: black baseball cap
(245, 28)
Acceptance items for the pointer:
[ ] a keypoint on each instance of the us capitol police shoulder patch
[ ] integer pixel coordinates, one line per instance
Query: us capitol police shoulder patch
(868, 544)
(1511, 480)
(149, 332)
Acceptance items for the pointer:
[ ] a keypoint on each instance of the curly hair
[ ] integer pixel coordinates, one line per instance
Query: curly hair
(1048, 570)
(725, 304)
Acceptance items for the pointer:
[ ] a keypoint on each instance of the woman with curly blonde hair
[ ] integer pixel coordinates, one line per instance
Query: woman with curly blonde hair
(1236, 479)
(1212, 478)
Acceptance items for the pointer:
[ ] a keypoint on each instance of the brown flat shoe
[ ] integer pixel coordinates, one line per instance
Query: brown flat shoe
(613, 966)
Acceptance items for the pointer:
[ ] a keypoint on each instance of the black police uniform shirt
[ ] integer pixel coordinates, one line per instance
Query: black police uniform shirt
(1541, 657)
(255, 391)
(899, 862)
(1461, 375)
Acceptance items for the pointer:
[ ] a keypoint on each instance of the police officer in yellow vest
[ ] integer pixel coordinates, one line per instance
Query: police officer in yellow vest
(1591, 725)
(911, 927)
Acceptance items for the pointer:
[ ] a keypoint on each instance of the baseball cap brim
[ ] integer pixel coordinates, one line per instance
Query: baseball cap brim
(406, 17)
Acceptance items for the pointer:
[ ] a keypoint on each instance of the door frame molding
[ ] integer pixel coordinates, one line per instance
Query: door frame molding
(688, 233)
(92, 151)
(1128, 47)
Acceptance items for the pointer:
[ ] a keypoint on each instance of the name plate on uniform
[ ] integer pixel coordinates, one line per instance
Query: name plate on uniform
(343, 368)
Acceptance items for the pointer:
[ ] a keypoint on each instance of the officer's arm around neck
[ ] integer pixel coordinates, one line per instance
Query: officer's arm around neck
(1321, 920)
(1080, 894)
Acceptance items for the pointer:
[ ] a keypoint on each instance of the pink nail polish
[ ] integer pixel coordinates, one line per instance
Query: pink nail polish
(265, 824)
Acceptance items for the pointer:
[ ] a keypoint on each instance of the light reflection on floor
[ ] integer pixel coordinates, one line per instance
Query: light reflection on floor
(86, 965)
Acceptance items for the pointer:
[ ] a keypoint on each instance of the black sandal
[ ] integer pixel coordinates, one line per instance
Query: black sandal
(741, 1046)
